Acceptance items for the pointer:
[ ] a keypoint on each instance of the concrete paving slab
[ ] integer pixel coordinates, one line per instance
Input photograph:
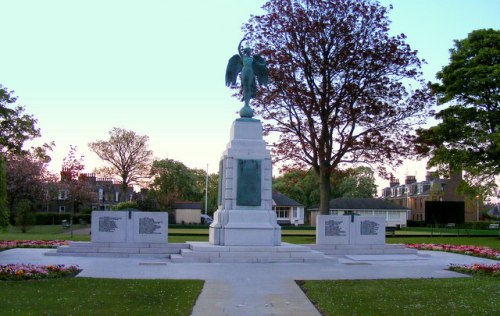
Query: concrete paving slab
(252, 288)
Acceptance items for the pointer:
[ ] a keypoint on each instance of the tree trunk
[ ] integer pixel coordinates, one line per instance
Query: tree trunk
(324, 188)
(124, 187)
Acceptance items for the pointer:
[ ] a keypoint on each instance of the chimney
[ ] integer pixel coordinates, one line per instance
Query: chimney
(393, 181)
(410, 180)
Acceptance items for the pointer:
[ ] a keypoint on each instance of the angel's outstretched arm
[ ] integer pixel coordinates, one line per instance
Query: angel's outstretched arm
(239, 48)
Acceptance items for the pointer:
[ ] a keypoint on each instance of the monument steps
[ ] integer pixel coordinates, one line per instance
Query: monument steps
(384, 249)
(112, 249)
(205, 252)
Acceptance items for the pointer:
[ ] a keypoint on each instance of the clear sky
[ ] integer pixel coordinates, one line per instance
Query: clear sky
(157, 67)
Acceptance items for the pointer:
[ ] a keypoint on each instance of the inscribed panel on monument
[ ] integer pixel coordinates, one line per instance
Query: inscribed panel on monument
(249, 182)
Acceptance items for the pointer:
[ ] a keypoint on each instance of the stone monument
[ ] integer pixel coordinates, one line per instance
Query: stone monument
(129, 227)
(245, 216)
(350, 230)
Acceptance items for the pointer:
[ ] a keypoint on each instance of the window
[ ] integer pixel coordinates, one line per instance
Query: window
(101, 194)
(62, 208)
(117, 196)
(393, 215)
(282, 211)
(63, 195)
(295, 212)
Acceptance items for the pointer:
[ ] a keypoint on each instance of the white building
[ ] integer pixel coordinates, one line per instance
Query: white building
(395, 215)
(288, 211)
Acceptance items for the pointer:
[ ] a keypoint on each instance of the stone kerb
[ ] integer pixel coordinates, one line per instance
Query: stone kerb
(350, 230)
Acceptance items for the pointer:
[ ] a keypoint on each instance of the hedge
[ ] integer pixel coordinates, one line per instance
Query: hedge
(57, 218)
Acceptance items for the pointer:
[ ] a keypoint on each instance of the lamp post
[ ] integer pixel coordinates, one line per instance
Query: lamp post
(477, 207)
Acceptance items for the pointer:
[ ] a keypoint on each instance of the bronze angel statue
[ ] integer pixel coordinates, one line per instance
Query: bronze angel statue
(250, 67)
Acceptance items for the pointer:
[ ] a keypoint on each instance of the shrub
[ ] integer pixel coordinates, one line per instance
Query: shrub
(476, 268)
(51, 218)
(411, 223)
(125, 205)
(31, 271)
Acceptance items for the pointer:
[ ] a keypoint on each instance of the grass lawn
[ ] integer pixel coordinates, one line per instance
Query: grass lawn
(462, 296)
(42, 232)
(86, 296)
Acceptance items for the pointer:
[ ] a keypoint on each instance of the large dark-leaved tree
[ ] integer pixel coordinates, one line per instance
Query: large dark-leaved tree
(28, 178)
(73, 186)
(342, 90)
(468, 135)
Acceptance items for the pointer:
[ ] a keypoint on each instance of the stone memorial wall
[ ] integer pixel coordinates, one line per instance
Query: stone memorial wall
(129, 227)
(350, 230)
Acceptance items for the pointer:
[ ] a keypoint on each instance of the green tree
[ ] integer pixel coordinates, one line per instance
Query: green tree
(358, 182)
(24, 215)
(127, 155)
(16, 127)
(4, 210)
(300, 185)
(468, 135)
(303, 186)
(213, 192)
(340, 86)
(173, 181)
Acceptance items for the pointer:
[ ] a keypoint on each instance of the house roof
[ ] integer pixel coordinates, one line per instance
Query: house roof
(494, 211)
(283, 200)
(187, 205)
(361, 204)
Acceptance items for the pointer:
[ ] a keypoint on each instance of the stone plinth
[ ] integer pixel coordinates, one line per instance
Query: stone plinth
(245, 216)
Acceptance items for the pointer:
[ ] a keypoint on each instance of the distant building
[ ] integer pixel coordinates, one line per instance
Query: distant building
(187, 212)
(395, 215)
(413, 194)
(100, 194)
(288, 211)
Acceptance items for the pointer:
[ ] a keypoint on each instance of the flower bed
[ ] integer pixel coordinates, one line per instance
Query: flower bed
(476, 268)
(35, 272)
(476, 251)
(8, 244)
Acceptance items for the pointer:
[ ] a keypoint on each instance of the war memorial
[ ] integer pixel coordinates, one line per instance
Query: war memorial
(244, 227)
(246, 268)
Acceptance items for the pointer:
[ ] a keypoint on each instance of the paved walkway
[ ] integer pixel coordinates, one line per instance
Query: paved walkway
(259, 288)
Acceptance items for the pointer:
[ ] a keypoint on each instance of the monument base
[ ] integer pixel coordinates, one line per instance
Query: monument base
(204, 252)
(244, 228)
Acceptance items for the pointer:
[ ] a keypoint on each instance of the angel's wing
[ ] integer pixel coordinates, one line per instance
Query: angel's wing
(234, 66)
(260, 70)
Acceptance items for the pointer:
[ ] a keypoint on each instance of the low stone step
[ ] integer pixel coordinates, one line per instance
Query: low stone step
(363, 249)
